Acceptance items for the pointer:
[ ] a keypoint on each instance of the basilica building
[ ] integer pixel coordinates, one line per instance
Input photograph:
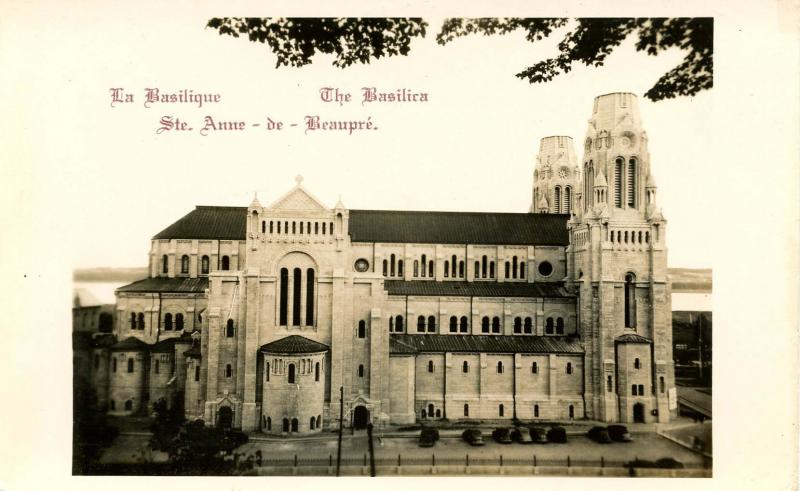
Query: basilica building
(265, 318)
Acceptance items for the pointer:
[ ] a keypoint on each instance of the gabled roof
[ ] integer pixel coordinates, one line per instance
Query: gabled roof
(422, 227)
(462, 343)
(633, 338)
(476, 289)
(294, 344)
(438, 227)
(167, 285)
(209, 222)
(130, 344)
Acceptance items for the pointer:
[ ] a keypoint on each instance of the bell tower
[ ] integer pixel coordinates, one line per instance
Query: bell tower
(555, 176)
(617, 263)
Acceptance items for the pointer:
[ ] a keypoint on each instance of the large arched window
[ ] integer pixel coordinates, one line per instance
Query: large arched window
(362, 329)
(528, 329)
(619, 163)
(485, 324)
(398, 323)
(630, 300)
(496, 325)
(557, 201)
(284, 296)
(517, 325)
(464, 324)
(226, 263)
(567, 206)
(631, 182)
(421, 323)
(309, 297)
(560, 325)
(548, 326)
(179, 322)
(165, 264)
(204, 265)
(296, 295)
(184, 264)
(431, 323)
(167, 322)
(291, 377)
(453, 323)
(229, 328)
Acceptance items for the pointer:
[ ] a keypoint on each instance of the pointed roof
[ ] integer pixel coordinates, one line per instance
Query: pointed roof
(255, 203)
(600, 181)
(543, 203)
(298, 199)
(294, 344)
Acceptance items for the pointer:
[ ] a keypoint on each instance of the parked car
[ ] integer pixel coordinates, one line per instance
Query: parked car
(473, 437)
(619, 433)
(501, 435)
(539, 434)
(428, 437)
(557, 434)
(599, 434)
(521, 435)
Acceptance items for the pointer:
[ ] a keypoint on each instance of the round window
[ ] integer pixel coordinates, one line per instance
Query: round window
(362, 265)
(545, 268)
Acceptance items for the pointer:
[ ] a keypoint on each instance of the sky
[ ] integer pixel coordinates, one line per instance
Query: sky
(472, 147)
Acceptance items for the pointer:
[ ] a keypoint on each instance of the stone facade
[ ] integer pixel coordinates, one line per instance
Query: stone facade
(274, 311)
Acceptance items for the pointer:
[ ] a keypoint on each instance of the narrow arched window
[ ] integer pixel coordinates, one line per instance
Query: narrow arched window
(167, 322)
(477, 268)
(461, 267)
(569, 368)
(421, 323)
(398, 323)
(464, 324)
(430, 268)
(567, 207)
(630, 301)
(310, 297)
(266, 371)
(311, 422)
(633, 390)
(453, 323)
(522, 269)
(508, 269)
(637, 364)
(133, 320)
(528, 329)
(641, 389)
(484, 260)
(560, 325)
(609, 384)
(184, 264)
(391, 265)
(618, 173)
(400, 268)
(385, 267)
(157, 366)
(430, 410)
(226, 263)
(130, 365)
(466, 410)
(430, 366)
(485, 324)
(491, 269)
(361, 371)
(197, 373)
(114, 365)
(424, 266)
(514, 267)
(571, 411)
(465, 367)
(447, 269)
(431, 324)
(296, 295)
(517, 325)
(229, 328)
(128, 405)
(319, 421)
(548, 326)
(496, 325)
(286, 425)
(534, 368)
(362, 329)
(204, 265)
(284, 297)
(499, 367)
(179, 322)
(424, 413)
(416, 268)
(535, 410)
(291, 377)
(165, 264)
(316, 372)
(500, 410)
(140, 321)
(557, 200)
(391, 324)
(269, 423)
(661, 384)
(631, 181)
(294, 424)
(228, 371)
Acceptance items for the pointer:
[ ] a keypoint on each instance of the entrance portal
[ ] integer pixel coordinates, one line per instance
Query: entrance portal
(638, 413)
(225, 418)
(360, 417)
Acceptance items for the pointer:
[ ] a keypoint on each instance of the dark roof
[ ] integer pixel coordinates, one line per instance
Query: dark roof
(194, 351)
(633, 338)
(476, 289)
(167, 285)
(439, 227)
(209, 222)
(168, 345)
(426, 227)
(130, 344)
(294, 344)
(103, 340)
(459, 343)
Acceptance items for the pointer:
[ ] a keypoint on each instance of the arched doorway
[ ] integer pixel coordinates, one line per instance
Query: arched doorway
(360, 417)
(224, 418)
(638, 413)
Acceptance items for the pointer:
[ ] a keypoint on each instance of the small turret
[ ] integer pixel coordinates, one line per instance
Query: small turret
(555, 176)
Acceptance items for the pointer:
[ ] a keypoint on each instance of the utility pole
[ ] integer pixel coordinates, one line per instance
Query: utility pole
(371, 451)
(341, 425)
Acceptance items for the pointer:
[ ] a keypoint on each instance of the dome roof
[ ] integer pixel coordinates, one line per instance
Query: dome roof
(294, 344)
